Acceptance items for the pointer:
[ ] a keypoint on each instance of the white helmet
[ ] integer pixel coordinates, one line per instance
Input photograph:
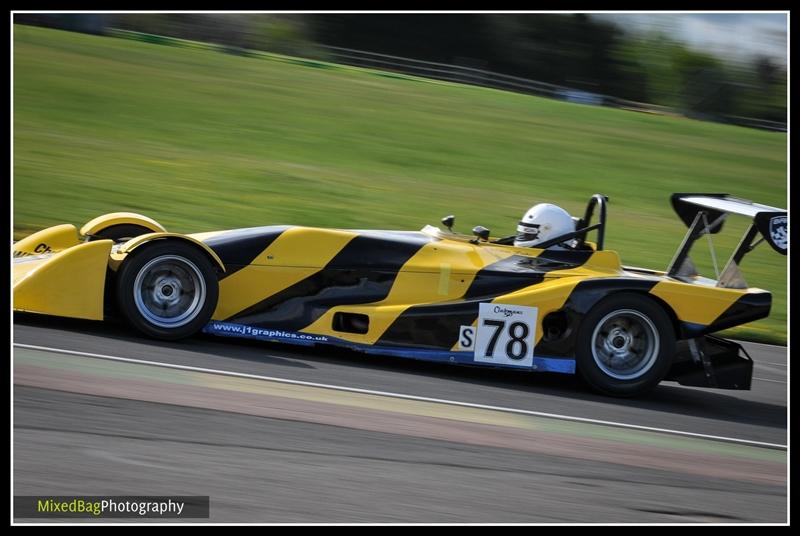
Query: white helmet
(541, 223)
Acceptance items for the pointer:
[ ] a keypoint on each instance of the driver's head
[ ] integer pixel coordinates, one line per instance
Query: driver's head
(541, 223)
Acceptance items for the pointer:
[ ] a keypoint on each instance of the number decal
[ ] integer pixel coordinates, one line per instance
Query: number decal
(466, 338)
(498, 325)
(517, 332)
(517, 340)
(504, 335)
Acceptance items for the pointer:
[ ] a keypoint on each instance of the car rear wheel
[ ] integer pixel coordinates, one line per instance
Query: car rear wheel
(625, 345)
(167, 290)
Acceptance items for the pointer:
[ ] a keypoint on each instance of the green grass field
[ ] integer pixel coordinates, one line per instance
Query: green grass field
(201, 140)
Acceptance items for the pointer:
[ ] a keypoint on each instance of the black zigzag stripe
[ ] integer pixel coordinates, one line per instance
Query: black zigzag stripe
(431, 326)
(517, 272)
(362, 272)
(746, 308)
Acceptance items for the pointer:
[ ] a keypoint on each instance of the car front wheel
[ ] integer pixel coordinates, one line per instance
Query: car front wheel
(167, 290)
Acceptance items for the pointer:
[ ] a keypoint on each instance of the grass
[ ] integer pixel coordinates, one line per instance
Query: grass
(201, 140)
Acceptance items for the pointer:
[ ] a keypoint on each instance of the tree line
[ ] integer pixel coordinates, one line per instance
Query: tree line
(573, 50)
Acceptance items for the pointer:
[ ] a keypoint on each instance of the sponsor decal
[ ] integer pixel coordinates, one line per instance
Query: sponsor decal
(504, 335)
(505, 311)
(40, 249)
(227, 328)
(779, 231)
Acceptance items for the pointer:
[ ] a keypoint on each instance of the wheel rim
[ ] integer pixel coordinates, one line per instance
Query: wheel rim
(169, 291)
(625, 344)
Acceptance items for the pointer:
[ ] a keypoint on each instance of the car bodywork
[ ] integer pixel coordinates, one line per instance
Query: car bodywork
(417, 294)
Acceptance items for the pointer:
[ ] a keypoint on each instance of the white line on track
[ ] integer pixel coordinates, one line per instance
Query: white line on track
(766, 380)
(774, 346)
(403, 396)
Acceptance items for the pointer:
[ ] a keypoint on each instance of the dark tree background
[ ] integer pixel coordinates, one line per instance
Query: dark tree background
(573, 50)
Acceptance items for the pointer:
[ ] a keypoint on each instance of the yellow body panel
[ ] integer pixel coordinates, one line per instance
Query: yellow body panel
(548, 296)
(21, 268)
(118, 218)
(604, 262)
(696, 303)
(68, 283)
(48, 240)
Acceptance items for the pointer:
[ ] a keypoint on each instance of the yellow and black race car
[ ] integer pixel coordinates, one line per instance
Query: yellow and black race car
(433, 294)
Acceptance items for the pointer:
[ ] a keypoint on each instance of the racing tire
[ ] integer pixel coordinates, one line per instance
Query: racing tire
(119, 233)
(168, 290)
(626, 344)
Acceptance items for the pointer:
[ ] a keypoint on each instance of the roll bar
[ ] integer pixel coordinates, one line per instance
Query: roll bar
(597, 199)
(583, 227)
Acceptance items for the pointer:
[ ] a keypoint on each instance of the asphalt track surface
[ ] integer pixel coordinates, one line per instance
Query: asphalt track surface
(262, 433)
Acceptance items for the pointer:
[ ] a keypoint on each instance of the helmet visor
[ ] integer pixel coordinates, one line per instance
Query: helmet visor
(527, 232)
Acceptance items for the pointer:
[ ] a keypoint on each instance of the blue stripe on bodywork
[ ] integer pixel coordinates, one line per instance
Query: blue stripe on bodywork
(229, 329)
(692, 329)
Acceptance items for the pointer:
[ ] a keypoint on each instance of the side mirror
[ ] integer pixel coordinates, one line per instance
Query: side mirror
(481, 232)
(448, 222)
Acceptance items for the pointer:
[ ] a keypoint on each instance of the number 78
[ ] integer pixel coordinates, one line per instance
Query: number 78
(517, 332)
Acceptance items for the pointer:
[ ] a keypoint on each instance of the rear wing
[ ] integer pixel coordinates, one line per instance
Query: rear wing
(706, 213)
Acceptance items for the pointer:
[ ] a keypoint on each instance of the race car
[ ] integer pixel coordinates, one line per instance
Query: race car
(566, 306)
